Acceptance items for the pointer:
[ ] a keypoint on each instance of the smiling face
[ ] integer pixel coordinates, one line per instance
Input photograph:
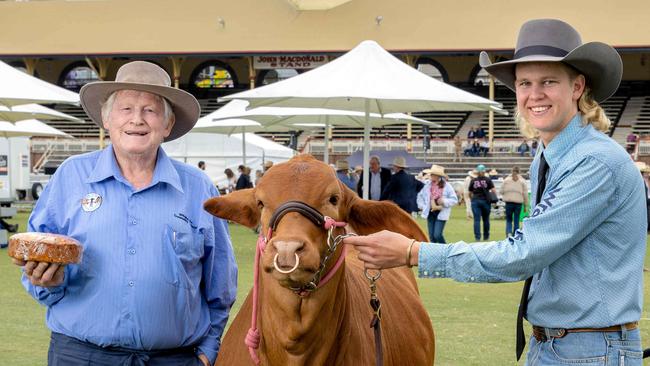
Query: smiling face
(137, 123)
(547, 96)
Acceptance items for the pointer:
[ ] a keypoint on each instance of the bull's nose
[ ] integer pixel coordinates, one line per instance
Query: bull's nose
(287, 252)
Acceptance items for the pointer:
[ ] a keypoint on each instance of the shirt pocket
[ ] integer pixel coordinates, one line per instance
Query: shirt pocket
(183, 249)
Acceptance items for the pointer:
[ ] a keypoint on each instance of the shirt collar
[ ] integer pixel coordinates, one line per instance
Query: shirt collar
(563, 141)
(107, 167)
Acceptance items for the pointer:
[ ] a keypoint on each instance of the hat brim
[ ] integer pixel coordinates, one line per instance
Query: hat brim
(185, 106)
(599, 62)
(434, 172)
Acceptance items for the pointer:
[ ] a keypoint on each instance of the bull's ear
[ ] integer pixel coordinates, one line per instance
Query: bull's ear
(367, 217)
(238, 206)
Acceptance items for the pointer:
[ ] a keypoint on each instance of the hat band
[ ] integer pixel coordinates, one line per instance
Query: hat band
(540, 50)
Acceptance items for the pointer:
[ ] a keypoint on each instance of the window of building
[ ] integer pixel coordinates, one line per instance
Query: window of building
(214, 76)
(267, 77)
(432, 68)
(77, 76)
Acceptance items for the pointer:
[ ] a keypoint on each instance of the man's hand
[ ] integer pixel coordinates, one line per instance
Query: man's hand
(204, 359)
(384, 249)
(42, 273)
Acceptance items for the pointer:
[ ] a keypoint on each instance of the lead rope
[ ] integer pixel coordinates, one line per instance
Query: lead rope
(375, 323)
(253, 337)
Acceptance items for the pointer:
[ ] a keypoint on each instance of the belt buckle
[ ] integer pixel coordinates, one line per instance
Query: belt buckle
(554, 332)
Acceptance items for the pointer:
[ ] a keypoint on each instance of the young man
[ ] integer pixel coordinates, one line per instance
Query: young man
(582, 249)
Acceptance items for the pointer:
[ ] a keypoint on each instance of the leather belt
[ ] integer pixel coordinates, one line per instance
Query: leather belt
(544, 334)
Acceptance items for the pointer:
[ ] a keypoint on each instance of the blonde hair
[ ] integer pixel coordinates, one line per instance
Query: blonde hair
(591, 111)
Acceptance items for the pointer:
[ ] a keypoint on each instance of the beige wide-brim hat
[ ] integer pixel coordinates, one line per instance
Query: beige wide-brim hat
(472, 173)
(268, 164)
(493, 172)
(147, 77)
(399, 161)
(436, 170)
(342, 165)
(552, 40)
(642, 166)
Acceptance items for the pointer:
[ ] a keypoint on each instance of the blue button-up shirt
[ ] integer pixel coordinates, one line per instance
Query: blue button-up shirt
(584, 242)
(157, 272)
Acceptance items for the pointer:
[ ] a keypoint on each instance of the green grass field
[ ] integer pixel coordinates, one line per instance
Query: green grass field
(474, 323)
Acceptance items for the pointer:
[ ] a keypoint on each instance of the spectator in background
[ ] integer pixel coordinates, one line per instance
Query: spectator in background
(471, 174)
(232, 180)
(435, 201)
(378, 177)
(244, 180)
(523, 148)
(631, 142)
(343, 174)
(258, 177)
(267, 165)
(357, 175)
(480, 132)
(533, 148)
(494, 175)
(481, 205)
(458, 148)
(514, 193)
(485, 147)
(471, 134)
(402, 187)
(476, 148)
(201, 165)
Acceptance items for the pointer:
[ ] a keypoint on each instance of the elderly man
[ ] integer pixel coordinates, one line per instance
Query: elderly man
(158, 274)
(379, 178)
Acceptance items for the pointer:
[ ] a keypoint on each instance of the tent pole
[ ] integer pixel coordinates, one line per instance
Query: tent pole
(326, 154)
(366, 152)
(243, 143)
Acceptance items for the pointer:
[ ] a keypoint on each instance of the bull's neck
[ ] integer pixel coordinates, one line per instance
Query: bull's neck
(303, 330)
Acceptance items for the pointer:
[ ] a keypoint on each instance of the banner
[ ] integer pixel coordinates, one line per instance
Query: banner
(289, 62)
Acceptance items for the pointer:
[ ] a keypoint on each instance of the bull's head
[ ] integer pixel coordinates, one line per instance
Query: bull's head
(296, 239)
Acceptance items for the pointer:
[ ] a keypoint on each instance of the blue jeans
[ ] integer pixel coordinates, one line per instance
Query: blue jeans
(588, 349)
(513, 210)
(435, 228)
(481, 210)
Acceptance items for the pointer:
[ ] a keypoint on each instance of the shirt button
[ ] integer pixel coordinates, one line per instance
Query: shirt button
(131, 251)
(131, 283)
(133, 222)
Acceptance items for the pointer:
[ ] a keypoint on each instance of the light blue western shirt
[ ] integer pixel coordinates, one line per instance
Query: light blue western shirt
(157, 272)
(584, 243)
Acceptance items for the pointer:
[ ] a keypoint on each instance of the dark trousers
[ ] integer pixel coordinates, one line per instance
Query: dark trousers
(513, 210)
(436, 228)
(68, 351)
(481, 210)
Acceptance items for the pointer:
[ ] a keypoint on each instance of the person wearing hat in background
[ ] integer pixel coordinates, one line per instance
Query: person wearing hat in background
(267, 165)
(343, 174)
(158, 274)
(435, 201)
(582, 249)
(494, 175)
(402, 187)
(481, 205)
(514, 192)
(379, 178)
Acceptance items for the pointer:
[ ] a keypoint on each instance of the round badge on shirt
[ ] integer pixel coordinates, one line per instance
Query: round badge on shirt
(91, 202)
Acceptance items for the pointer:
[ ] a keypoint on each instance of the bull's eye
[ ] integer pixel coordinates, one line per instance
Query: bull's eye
(334, 200)
(260, 204)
